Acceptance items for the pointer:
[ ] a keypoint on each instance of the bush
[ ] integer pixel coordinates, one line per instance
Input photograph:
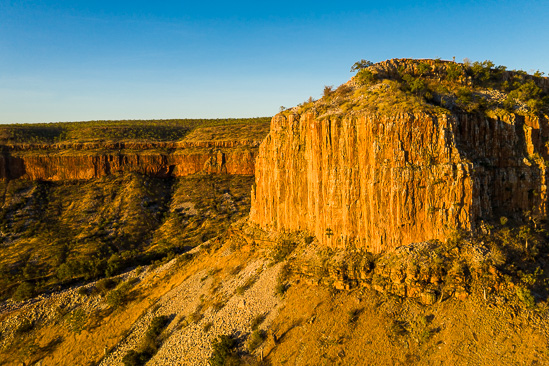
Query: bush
(120, 295)
(195, 317)
(526, 297)
(464, 96)
(157, 325)
(281, 288)
(207, 327)
(150, 343)
(23, 292)
(25, 326)
(134, 358)
(106, 284)
(256, 339)
(328, 90)
(361, 65)
(415, 85)
(218, 305)
(481, 70)
(256, 322)
(353, 315)
(282, 250)
(246, 285)
(365, 77)
(224, 351)
(453, 71)
(423, 68)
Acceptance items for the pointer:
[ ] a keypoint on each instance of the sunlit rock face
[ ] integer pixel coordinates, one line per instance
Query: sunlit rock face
(88, 161)
(377, 182)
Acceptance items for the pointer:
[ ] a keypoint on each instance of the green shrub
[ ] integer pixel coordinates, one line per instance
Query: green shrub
(23, 292)
(365, 77)
(150, 343)
(481, 70)
(453, 71)
(246, 285)
(256, 322)
(256, 339)
(361, 65)
(423, 68)
(525, 296)
(464, 96)
(415, 85)
(106, 284)
(224, 351)
(120, 295)
(157, 325)
(282, 250)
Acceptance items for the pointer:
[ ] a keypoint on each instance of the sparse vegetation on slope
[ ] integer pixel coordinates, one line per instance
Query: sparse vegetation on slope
(406, 85)
(314, 322)
(58, 233)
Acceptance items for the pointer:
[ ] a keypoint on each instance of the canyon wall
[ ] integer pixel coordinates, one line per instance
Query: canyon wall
(59, 162)
(378, 182)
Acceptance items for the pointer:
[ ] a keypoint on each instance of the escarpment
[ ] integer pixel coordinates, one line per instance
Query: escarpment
(58, 162)
(158, 148)
(376, 181)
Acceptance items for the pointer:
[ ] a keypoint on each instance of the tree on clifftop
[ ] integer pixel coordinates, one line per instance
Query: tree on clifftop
(362, 64)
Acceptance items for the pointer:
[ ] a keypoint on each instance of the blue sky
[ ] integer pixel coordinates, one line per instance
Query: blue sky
(84, 60)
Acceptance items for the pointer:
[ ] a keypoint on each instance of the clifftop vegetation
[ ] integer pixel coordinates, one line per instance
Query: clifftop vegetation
(407, 85)
(124, 130)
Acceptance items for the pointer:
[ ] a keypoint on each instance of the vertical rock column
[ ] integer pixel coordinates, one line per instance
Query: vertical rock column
(373, 182)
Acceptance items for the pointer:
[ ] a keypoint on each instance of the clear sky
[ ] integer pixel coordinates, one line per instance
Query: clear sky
(71, 60)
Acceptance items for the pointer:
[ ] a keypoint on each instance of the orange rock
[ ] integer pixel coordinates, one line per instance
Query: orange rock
(54, 165)
(461, 295)
(378, 182)
(428, 297)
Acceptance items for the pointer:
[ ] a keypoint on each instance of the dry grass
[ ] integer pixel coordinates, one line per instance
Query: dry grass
(251, 132)
(312, 329)
(127, 130)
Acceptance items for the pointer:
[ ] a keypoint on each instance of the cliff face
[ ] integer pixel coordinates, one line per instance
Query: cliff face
(86, 161)
(379, 182)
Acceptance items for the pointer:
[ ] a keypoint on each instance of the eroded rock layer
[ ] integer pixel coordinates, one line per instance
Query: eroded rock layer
(379, 182)
(88, 161)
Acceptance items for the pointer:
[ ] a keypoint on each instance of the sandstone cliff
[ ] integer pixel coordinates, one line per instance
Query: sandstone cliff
(379, 181)
(161, 148)
(57, 162)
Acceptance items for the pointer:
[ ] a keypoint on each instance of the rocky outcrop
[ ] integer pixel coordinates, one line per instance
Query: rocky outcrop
(377, 182)
(85, 161)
